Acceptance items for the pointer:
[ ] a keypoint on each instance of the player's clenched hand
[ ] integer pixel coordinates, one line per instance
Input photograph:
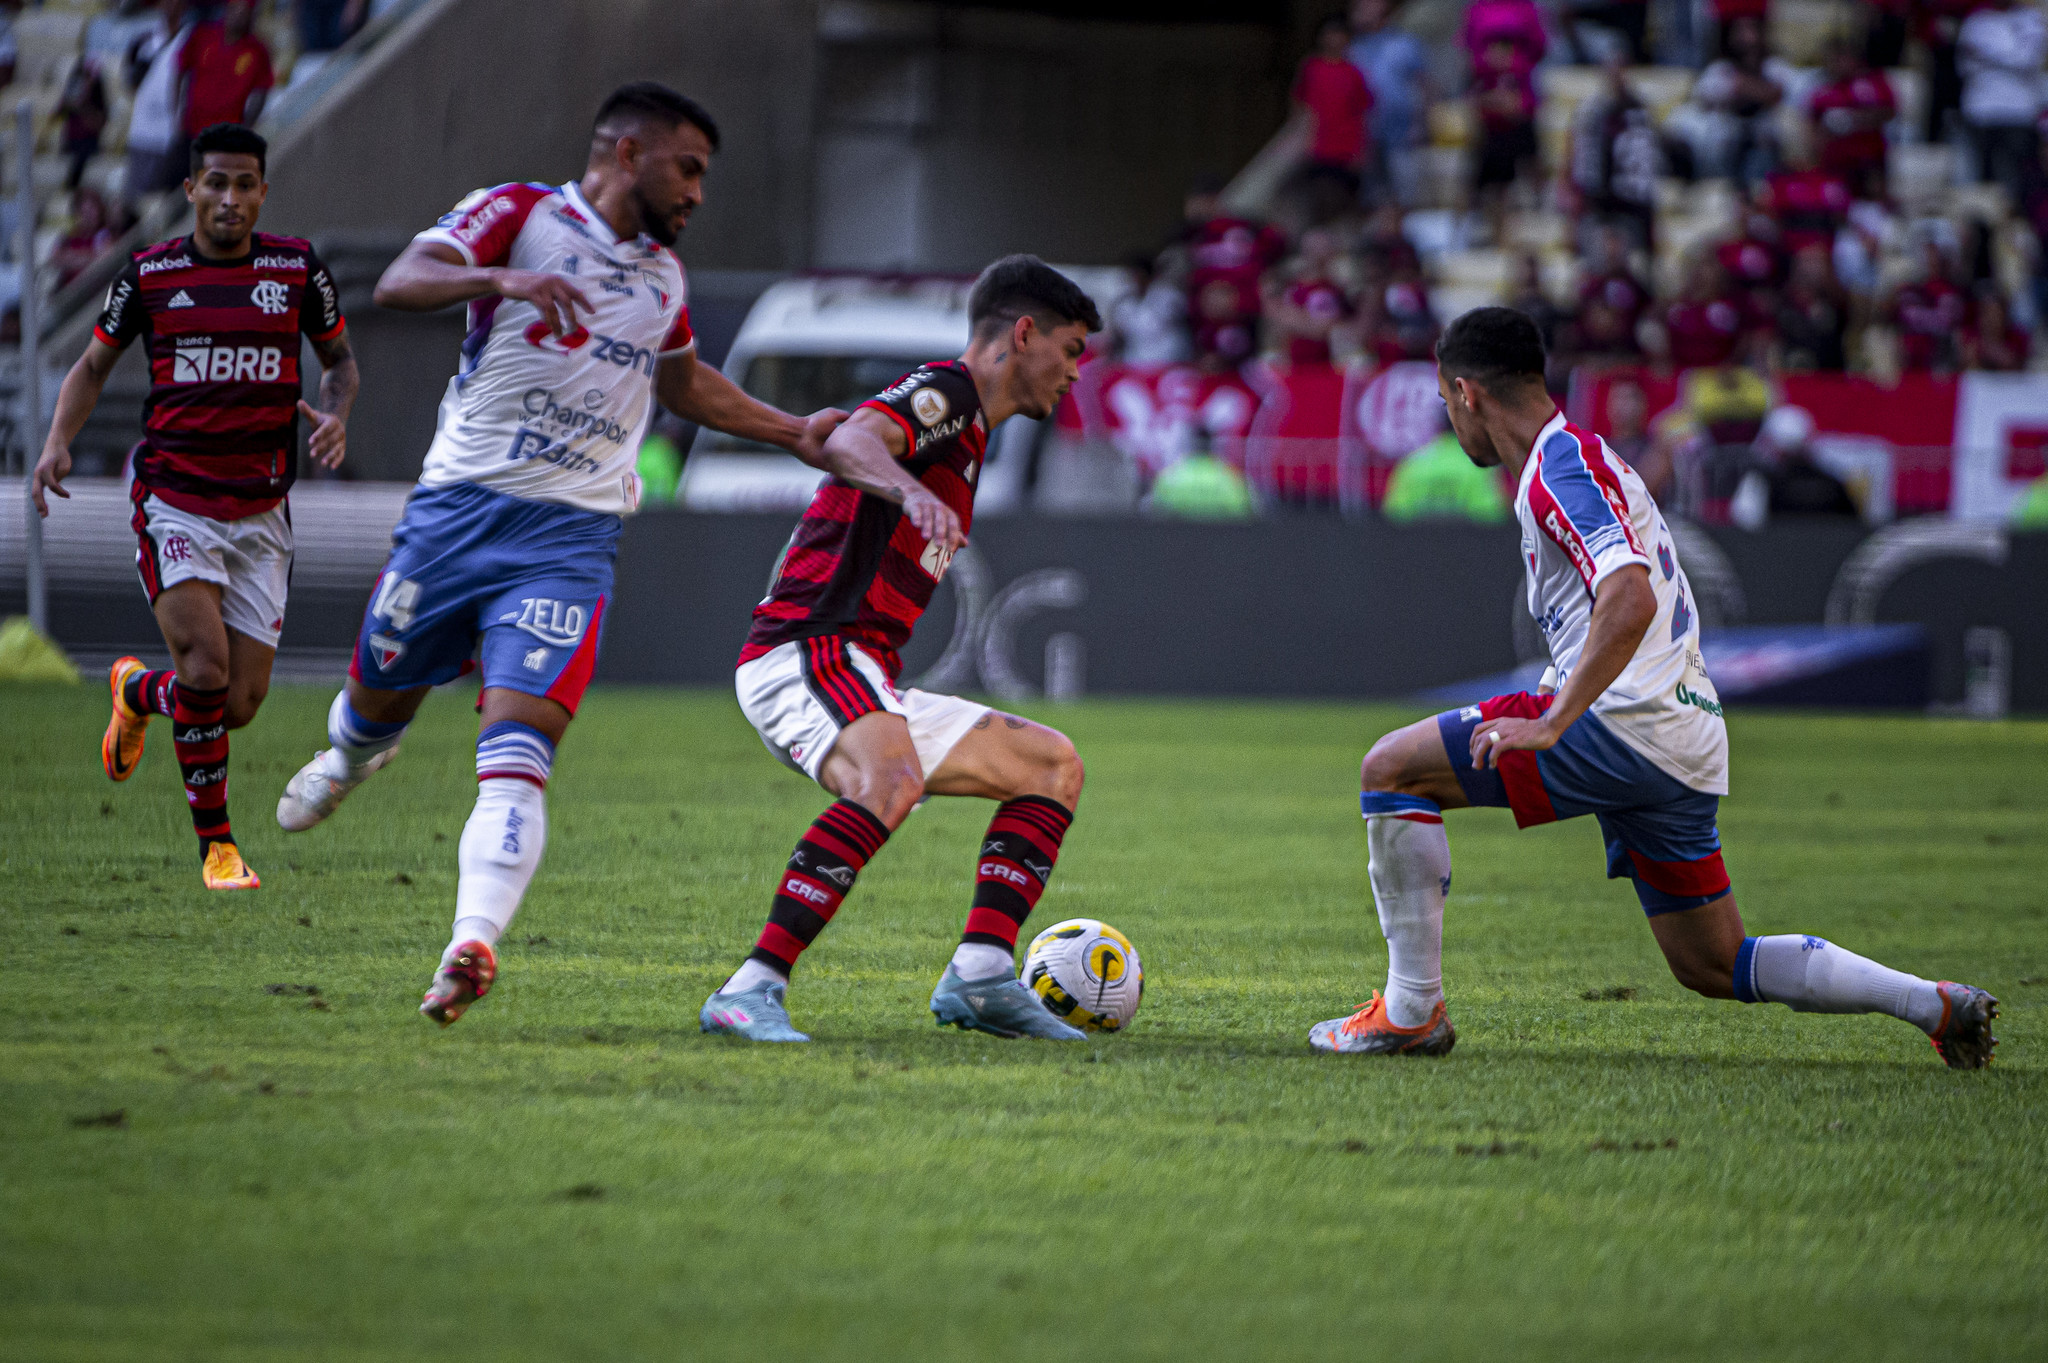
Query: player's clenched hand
(933, 519)
(555, 296)
(810, 445)
(1496, 736)
(329, 440)
(51, 471)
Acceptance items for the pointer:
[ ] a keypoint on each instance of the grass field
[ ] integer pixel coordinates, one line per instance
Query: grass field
(573, 1172)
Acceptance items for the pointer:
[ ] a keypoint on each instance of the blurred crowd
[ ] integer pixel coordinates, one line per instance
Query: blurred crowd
(1840, 188)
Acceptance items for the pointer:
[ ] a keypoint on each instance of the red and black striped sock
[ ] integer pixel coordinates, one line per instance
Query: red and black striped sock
(1017, 856)
(200, 733)
(149, 693)
(821, 870)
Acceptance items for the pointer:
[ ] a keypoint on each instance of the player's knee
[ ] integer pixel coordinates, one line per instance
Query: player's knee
(1707, 978)
(241, 708)
(203, 671)
(1381, 769)
(890, 790)
(1064, 773)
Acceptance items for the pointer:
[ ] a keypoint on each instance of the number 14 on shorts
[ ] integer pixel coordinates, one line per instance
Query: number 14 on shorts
(397, 599)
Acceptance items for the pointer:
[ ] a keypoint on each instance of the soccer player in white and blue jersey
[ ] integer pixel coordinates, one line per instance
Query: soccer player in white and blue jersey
(1633, 735)
(502, 562)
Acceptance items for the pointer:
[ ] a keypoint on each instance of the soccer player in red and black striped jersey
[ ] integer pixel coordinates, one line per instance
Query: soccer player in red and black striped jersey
(220, 314)
(818, 677)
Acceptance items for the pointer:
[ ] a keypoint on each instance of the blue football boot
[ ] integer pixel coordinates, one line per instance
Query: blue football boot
(1000, 1005)
(756, 1014)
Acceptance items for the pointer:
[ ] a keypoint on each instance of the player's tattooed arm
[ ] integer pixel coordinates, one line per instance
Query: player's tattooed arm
(75, 401)
(1623, 611)
(429, 275)
(339, 380)
(867, 452)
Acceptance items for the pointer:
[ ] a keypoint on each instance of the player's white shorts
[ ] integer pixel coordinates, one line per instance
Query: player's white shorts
(798, 696)
(250, 558)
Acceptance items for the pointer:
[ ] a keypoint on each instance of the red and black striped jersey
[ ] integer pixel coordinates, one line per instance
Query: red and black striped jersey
(856, 566)
(220, 432)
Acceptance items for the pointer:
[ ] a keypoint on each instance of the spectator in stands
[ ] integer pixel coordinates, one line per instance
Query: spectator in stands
(1527, 296)
(157, 159)
(82, 113)
(226, 68)
(1720, 412)
(1228, 258)
(1798, 485)
(1612, 304)
(1813, 315)
(1709, 324)
(1809, 204)
(1628, 435)
(1440, 482)
(1617, 158)
(1989, 340)
(1884, 32)
(1504, 94)
(1395, 65)
(1738, 98)
(1753, 259)
(1332, 95)
(2000, 49)
(92, 233)
(1940, 22)
(1406, 325)
(1518, 23)
(1849, 112)
(1928, 314)
(1148, 325)
(1313, 308)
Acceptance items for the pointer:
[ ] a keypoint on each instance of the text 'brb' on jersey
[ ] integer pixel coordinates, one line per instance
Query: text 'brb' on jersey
(220, 431)
(1585, 514)
(556, 418)
(856, 566)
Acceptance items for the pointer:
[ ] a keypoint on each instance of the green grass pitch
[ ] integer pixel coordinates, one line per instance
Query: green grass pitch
(1607, 1167)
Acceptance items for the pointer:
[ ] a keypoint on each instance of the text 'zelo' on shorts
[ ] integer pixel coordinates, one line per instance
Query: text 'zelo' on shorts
(249, 559)
(800, 695)
(518, 586)
(1660, 833)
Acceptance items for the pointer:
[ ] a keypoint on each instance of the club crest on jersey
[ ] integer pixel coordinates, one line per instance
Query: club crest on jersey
(272, 297)
(930, 405)
(559, 624)
(935, 560)
(387, 651)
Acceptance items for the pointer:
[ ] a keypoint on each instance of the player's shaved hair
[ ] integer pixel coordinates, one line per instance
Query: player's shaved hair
(229, 139)
(1021, 286)
(1497, 348)
(648, 101)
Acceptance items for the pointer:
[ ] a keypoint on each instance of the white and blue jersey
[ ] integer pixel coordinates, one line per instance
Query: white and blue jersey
(505, 550)
(1585, 514)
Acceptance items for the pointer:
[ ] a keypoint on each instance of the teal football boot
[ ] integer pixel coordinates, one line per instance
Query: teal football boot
(1000, 1005)
(756, 1014)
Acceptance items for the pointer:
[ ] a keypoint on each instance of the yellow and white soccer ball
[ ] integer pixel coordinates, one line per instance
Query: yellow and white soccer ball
(1086, 973)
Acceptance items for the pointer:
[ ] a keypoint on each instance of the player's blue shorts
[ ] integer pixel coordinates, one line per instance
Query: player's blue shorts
(530, 579)
(1660, 833)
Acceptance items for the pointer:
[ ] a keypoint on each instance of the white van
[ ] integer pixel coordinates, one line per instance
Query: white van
(835, 340)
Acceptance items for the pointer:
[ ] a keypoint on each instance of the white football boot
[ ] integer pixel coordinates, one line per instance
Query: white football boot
(317, 792)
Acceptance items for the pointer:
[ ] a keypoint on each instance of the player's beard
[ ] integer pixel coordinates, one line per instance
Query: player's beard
(654, 222)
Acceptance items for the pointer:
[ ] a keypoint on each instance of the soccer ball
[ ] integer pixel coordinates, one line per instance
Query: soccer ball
(1086, 973)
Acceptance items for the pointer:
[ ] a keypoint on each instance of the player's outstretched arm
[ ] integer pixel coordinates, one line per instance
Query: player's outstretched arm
(866, 452)
(339, 380)
(75, 401)
(429, 275)
(698, 392)
(1623, 610)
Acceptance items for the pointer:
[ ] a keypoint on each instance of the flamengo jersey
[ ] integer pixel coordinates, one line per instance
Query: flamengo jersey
(548, 418)
(1585, 513)
(220, 431)
(856, 566)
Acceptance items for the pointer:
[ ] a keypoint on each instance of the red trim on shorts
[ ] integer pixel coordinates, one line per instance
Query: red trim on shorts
(1707, 876)
(146, 564)
(575, 678)
(1519, 775)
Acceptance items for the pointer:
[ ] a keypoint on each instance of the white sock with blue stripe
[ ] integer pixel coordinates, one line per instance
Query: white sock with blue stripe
(1813, 975)
(1411, 874)
(506, 832)
(356, 741)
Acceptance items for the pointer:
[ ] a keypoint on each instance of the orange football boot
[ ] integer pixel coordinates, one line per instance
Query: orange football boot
(465, 979)
(1369, 1031)
(121, 747)
(224, 869)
